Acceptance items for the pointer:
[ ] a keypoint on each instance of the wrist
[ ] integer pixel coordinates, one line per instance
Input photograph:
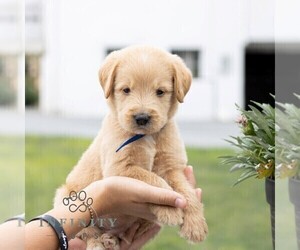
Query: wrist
(96, 191)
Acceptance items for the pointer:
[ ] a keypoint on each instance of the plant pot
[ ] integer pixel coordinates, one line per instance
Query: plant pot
(294, 193)
(270, 196)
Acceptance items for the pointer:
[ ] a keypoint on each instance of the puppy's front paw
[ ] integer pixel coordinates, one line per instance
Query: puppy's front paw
(194, 227)
(168, 215)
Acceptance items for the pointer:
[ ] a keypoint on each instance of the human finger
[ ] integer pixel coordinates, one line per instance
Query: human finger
(144, 238)
(199, 193)
(77, 244)
(127, 237)
(189, 174)
(162, 196)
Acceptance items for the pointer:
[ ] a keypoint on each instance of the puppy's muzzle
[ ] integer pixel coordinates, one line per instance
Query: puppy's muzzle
(141, 119)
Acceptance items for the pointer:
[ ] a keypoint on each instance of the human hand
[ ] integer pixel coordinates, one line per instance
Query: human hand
(127, 196)
(136, 243)
(132, 228)
(141, 240)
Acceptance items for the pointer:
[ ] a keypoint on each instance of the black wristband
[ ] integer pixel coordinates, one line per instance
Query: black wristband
(19, 218)
(62, 237)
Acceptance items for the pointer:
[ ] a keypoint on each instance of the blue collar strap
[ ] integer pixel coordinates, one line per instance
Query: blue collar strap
(130, 140)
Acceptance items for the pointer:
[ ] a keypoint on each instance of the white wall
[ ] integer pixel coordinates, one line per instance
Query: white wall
(79, 32)
(287, 19)
(10, 27)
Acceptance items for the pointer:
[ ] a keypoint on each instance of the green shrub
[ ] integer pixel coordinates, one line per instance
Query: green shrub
(256, 143)
(288, 140)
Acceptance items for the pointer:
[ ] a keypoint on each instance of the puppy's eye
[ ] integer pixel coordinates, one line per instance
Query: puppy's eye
(159, 92)
(126, 90)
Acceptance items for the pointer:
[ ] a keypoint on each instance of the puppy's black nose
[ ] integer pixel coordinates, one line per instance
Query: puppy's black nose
(141, 119)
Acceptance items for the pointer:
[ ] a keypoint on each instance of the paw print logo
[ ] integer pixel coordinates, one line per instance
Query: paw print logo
(82, 206)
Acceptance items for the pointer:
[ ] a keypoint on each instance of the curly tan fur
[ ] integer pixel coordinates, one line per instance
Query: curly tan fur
(158, 158)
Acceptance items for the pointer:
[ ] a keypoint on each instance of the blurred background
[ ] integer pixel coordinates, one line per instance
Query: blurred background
(12, 110)
(56, 48)
(223, 43)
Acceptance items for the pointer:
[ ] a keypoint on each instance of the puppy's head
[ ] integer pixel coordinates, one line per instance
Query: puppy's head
(143, 86)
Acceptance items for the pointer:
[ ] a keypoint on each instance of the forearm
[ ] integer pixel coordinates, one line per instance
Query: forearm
(39, 234)
(12, 235)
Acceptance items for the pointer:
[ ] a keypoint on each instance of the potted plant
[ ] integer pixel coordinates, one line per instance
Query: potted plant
(255, 157)
(288, 153)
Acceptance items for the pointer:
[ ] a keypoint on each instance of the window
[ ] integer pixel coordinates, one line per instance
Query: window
(32, 77)
(8, 80)
(191, 59)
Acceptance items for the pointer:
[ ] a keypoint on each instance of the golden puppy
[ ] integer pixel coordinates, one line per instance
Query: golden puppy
(143, 86)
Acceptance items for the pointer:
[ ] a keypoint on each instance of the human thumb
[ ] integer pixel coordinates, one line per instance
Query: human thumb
(161, 196)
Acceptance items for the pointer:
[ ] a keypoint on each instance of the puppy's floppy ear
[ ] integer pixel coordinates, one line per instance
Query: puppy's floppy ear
(107, 73)
(182, 78)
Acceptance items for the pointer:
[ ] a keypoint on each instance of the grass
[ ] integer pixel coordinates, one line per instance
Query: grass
(12, 181)
(238, 217)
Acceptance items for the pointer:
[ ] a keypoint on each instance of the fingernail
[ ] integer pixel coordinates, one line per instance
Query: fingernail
(180, 203)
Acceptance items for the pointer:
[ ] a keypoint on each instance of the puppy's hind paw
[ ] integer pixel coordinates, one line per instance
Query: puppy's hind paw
(109, 241)
(104, 242)
(93, 244)
(194, 230)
